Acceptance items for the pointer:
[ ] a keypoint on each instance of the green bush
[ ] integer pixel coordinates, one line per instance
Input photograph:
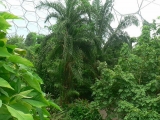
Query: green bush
(130, 91)
(82, 110)
(79, 110)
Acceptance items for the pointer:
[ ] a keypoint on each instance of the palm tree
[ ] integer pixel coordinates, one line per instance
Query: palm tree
(72, 42)
(109, 40)
(81, 36)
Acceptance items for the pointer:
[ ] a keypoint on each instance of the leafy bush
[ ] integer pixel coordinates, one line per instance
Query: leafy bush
(131, 89)
(82, 110)
(79, 110)
(21, 96)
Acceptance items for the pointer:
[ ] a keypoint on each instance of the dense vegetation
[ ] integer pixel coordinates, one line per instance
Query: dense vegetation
(87, 66)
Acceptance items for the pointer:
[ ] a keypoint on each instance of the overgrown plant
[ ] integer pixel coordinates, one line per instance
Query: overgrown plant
(21, 96)
(131, 89)
(79, 110)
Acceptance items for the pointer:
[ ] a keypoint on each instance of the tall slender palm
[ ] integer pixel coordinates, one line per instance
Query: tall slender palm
(72, 41)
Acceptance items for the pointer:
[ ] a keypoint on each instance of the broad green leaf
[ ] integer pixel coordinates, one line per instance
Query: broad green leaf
(18, 106)
(45, 112)
(32, 82)
(9, 68)
(10, 48)
(4, 83)
(4, 25)
(4, 114)
(23, 94)
(35, 103)
(7, 15)
(0, 103)
(20, 60)
(36, 77)
(39, 97)
(4, 52)
(4, 92)
(19, 114)
(40, 113)
(54, 105)
(5, 117)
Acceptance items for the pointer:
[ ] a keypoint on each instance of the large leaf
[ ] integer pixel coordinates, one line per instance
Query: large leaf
(54, 105)
(23, 94)
(35, 103)
(4, 25)
(9, 68)
(4, 92)
(19, 114)
(5, 117)
(20, 60)
(36, 77)
(7, 15)
(18, 106)
(4, 114)
(40, 113)
(4, 83)
(32, 82)
(45, 112)
(10, 48)
(4, 52)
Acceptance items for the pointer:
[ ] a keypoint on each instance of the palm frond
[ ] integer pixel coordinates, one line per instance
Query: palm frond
(57, 6)
(128, 21)
(52, 15)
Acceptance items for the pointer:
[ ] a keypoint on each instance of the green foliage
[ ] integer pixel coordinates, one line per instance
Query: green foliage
(21, 96)
(16, 40)
(131, 89)
(30, 39)
(31, 49)
(32, 45)
(71, 46)
(67, 58)
(79, 110)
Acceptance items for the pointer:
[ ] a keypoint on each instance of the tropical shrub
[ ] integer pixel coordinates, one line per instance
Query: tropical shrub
(131, 89)
(82, 110)
(21, 96)
(79, 110)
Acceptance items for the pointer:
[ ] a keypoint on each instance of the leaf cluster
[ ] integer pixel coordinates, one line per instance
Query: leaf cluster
(21, 96)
